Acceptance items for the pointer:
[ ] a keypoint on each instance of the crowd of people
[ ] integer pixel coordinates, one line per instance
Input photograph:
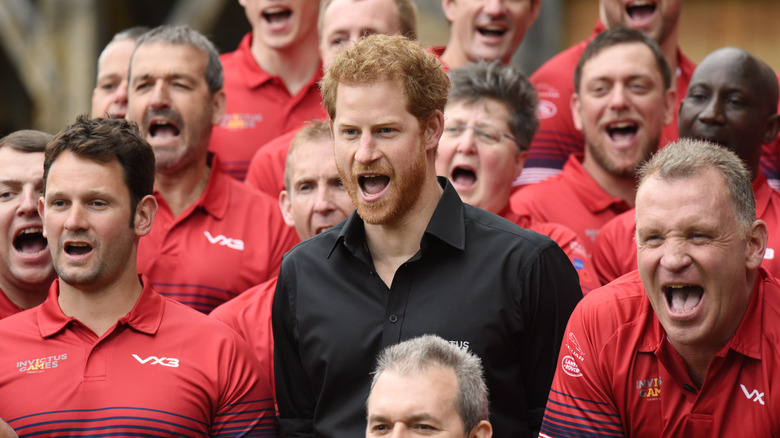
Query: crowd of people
(334, 231)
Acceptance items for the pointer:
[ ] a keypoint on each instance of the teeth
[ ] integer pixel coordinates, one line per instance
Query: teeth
(623, 125)
(32, 230)
(275, 10)
(79, 244)
(640, 3)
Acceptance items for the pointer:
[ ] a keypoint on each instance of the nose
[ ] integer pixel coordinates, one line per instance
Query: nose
(76, 219)
(28, 205)
(675, 255)
(323, 202)
(494, 7)
(712, 112)
(160, 97)
(121, 93)
(467, 142)
(367, 149)
(617, 98)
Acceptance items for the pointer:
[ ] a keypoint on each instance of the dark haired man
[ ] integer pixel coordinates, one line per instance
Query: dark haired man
(105, 350)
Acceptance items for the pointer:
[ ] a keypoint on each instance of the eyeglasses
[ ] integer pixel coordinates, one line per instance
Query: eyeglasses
(485, 136)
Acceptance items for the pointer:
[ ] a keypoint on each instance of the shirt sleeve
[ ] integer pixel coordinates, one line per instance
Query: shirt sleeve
(580, 402)
(294, 395)
(246, 407)
(553, 291)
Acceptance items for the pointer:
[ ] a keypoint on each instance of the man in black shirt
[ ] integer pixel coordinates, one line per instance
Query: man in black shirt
(412, 260)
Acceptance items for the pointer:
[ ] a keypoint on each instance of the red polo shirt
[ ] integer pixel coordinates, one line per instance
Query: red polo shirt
(162, 370)
(229, 240)
(618, 375)
(249, 314)
(258, 109)
(614, 252)
(572, 198)
(266, 171)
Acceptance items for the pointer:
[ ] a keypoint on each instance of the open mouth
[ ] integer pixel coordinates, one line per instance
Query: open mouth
(491, 30)
(30, 241)
(373, 184)
(463, 176)
(640, 10)
(163, 129)
(276, 15)
(78, 248)
(682, 298)
(622, 132)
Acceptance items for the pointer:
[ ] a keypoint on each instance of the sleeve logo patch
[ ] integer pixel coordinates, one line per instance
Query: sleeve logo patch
(570, 367)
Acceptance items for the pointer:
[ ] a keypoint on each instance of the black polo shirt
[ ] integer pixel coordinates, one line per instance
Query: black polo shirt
(479, 281)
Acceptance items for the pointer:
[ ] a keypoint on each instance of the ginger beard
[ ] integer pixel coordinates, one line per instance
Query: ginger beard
(402, 193)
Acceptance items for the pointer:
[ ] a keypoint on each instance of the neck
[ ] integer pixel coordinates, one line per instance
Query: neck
(181, 189)
(26, 296)
(697, 360)
(623, 188)
(452, 57)
(295, 65)
(393, 244)
(100, 308)
(669, 49)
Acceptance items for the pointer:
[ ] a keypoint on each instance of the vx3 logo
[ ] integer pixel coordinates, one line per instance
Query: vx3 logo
(154, 360)
(754, 394)
(225, 241)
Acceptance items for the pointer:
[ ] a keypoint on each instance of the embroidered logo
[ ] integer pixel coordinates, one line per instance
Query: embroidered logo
(570, 367)
(463, 345)
(573, 345)
(649, 388)
(41, 364)
(154, 360)
(754, 394)
(240, 121)
(225, 241)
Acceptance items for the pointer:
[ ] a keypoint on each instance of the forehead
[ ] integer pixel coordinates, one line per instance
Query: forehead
(165, 59)
(433, 390)
(633, 58)
(376, 102)
(728, 69)
(14, 161)
(486, 110)
(71, 173)
(344, 15)
(698, 198)
(117, 54)
(312, 158)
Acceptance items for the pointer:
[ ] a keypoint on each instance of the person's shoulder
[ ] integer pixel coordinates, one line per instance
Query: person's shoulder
(620, 301)
(560, 66)
(316, 247)
(198, 325)
(503, 229)
(19, 322)
(246, 302)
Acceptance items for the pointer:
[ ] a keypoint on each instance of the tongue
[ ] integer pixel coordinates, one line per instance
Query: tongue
(623, 136)
(277, 17)
(165, 131)
(464, 178)
(31, 245)
(374, 185)
(79, 250)
(641, 12)
(685, 299)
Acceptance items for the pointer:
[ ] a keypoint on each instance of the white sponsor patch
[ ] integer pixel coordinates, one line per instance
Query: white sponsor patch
(570, 367)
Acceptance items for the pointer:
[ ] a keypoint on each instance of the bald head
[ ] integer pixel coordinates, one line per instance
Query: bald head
(732, 101)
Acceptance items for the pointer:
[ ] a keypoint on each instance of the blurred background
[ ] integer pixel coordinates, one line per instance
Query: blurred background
(49, 48)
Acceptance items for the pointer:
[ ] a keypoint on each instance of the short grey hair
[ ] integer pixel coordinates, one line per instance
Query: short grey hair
(129, 34)
(508, 85)
(422, 353)
(688, 157)
(180, 34)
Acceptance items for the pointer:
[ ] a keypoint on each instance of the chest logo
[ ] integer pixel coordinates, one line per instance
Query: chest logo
(41, 364)
(649, 388)
(753, 395)
(236, 244)
(154, 360)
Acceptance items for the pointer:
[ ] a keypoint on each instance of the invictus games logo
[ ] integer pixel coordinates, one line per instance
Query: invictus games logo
(649, 389)
(41, 364)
